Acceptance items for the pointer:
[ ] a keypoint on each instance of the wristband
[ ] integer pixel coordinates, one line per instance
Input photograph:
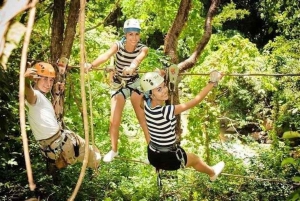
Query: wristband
(132, 66)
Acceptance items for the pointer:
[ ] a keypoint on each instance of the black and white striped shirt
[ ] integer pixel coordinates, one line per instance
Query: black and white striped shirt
(161, 124)
(124, 58)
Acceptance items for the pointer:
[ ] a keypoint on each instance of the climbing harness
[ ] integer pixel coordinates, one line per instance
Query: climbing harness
(52, 148)
(53, 144)
(170, 149)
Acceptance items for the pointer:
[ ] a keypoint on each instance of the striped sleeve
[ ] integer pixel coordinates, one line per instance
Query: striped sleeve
(168, 112)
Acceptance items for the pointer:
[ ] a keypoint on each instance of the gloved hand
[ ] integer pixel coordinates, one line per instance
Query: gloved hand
(215, 77)
(128, 71)
(88, 67)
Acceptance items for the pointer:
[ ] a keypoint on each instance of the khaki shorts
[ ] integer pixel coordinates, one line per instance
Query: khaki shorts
(69, 139)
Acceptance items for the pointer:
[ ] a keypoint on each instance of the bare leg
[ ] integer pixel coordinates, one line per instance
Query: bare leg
(117, 106)
(199, 165)
(135, 101)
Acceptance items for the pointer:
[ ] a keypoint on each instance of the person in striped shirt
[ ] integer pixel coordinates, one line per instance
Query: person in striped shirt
(163, 151)
(129, 53)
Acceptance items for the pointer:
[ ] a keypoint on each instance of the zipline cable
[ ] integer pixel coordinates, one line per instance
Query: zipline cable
(226, 74)
(254, 178)
(247, 74)
(223, 173)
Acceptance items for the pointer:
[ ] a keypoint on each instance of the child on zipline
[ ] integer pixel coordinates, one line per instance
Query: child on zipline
(60, 146)
(163, 151)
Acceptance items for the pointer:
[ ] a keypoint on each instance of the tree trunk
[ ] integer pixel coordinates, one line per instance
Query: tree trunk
(61, 47)
(57, 29)
(171, 45)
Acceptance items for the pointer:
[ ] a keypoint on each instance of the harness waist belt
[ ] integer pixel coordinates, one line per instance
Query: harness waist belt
(52, 138)
(57, 148)
(158, 148)
(129, 81)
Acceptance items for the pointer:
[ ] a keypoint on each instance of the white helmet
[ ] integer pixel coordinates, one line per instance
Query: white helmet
(150, 81)
(132, 25)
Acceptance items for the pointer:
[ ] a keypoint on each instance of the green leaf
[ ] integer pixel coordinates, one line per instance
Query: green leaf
(296, 179)
(290, 134)
(288, 161)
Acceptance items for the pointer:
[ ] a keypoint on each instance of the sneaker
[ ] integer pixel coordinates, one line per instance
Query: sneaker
(110, 156)
(217, 169)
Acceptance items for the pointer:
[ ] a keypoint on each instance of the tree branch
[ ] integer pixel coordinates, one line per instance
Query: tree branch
(70, 30)
(108, 18)
(57, 29)
(190, 62)
(170, 47)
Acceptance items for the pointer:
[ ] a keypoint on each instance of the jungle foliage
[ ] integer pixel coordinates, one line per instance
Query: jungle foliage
(248, 37)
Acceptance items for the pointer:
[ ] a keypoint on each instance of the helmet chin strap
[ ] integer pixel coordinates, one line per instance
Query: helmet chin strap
(149, 102)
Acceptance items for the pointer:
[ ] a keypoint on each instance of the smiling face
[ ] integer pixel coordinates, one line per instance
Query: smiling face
(160, 93)
(44, 84)
(132, 38)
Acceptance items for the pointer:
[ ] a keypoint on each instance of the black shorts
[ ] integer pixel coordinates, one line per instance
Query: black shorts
(166, 160)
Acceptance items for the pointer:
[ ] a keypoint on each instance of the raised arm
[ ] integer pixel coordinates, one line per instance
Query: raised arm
(103, 57)
(215, 76)
(29, 93)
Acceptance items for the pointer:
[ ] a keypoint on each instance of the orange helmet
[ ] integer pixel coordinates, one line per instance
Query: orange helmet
(44, 69)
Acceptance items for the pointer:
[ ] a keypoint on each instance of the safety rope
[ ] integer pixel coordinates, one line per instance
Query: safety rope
(91, 116)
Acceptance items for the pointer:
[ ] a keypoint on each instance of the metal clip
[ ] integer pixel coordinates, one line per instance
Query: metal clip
(62, 64)
(181, 159)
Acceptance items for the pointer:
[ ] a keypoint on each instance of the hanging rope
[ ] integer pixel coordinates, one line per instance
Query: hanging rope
(22, 94)
(91, 114)
(83, 96)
